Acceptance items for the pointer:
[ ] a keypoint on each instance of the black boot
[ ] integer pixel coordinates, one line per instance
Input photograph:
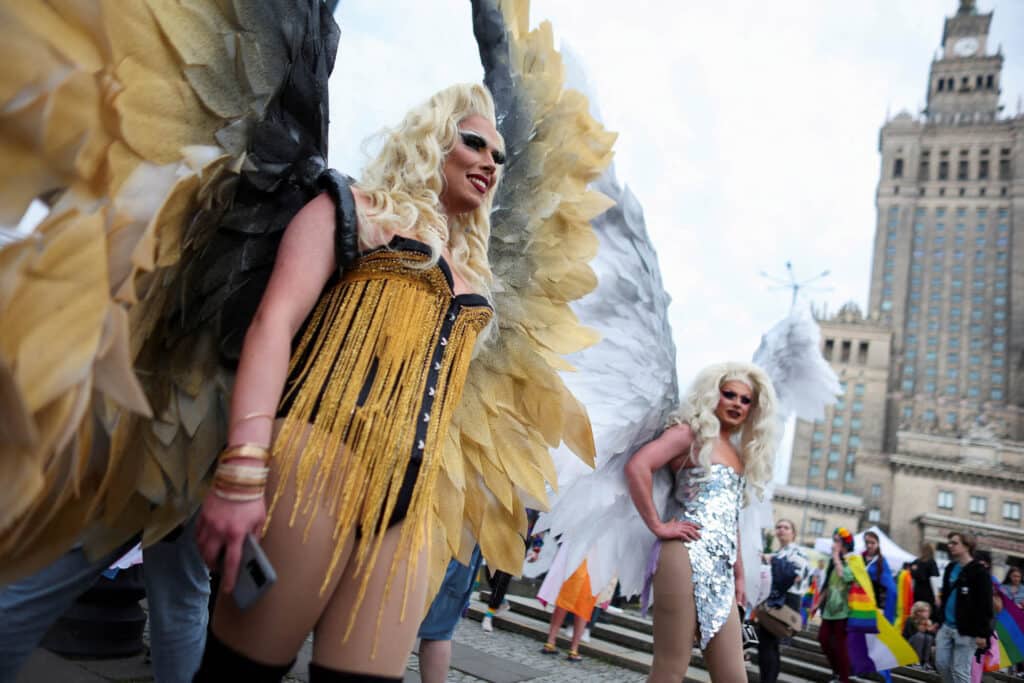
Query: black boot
(321, 674)
(222, 663)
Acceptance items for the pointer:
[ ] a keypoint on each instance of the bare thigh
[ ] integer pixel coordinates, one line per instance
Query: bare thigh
(379, 648)
(675, 615)
(724, 653)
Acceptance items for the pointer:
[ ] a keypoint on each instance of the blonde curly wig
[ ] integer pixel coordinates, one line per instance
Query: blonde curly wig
(756, 435)
(404, 184)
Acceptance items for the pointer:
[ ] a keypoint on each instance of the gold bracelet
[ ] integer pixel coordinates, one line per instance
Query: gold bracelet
(237, 497)
(232, 473)
(253, 416)
(246, 450)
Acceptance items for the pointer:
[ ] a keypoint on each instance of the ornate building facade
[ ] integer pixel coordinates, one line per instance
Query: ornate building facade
(929, 434)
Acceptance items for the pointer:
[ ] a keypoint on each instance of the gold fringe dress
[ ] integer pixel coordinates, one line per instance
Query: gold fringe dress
(376, 372)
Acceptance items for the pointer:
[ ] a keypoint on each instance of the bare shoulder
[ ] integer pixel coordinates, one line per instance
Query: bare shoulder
(681, 435)
(319, 208)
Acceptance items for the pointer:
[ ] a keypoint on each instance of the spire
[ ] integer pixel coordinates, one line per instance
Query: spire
(967, 7)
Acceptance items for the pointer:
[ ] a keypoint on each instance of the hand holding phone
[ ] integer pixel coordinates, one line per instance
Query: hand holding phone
(255, 574)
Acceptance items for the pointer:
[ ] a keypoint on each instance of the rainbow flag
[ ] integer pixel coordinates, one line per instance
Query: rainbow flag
(808, 599)
(904, 598)
(881, 648)
(1009, 628)
(861, 599)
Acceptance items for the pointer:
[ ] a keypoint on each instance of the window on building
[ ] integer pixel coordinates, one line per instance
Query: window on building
(978, 505)
(1004, 168)
(833, 456)
(814, 471)
(816, 526)
(1011, 511)
(858, 406)
(815, 454)
(853, 442)
(961, 170)
(897, 169)
(836, 439)
(946, 500)
(982, 169)
(908, 412)
(862, 353)
(876, 490)
(944, 169)
(818, 435)
(837, 421)
(832, 474)
(874, 515)
(844, 353)
(855, 423)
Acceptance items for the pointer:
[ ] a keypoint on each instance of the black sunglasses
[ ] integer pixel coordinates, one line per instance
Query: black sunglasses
(477, 142)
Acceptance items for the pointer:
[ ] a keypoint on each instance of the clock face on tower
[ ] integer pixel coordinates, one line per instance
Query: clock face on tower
(965, 47)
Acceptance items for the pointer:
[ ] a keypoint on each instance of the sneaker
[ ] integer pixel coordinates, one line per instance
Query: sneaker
(586, 635)
(487, 624)
(574, 656)
(565, 632)
(612, 609)
(549, 649)
(503, 607)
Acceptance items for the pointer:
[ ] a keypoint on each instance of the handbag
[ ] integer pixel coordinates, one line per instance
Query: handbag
(781, 622)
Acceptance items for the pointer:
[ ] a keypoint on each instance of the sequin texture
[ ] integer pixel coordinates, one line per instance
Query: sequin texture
(713, 502)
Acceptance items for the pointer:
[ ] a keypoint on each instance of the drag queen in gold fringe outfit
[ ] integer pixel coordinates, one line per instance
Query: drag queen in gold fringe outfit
(380, 357)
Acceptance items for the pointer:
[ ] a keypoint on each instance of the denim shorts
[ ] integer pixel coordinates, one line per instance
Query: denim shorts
(451, 600)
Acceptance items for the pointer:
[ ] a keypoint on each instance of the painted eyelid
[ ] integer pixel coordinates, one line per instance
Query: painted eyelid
(478, 141)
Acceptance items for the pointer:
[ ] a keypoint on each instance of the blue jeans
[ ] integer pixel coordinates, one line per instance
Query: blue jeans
(953, 654)
(177, 590)
(451, 600)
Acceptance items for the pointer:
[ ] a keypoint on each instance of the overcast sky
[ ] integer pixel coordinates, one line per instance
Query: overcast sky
(748, 129)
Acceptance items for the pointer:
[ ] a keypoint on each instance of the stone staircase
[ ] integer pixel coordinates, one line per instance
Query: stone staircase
(625, 640)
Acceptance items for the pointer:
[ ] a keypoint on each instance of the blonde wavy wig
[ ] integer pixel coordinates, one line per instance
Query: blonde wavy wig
(404, 184)
(756, 435)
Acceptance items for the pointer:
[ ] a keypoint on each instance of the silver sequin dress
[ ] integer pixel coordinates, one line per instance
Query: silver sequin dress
(714, 503)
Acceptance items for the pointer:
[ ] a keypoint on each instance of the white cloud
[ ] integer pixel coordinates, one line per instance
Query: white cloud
(747, 129)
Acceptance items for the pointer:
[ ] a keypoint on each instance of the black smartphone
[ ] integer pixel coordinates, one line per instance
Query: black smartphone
(255, 574)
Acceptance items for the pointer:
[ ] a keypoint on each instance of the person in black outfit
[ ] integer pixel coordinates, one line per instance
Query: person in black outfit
(965, 611)
(921, 572)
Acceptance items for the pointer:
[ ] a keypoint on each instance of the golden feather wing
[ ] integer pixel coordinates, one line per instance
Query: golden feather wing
(515, 406)
(132, 120)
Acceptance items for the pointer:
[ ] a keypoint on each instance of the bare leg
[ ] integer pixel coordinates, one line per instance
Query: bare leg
(557, 617)
(369, 650)
(435, 658)
(724, 653)
(675, 615)
(578, 625)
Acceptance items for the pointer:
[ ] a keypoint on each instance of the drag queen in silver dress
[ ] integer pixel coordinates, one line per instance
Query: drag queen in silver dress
(717, 444)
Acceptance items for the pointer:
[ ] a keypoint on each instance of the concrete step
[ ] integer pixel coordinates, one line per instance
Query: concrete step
(626, 640)
(532, 620)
